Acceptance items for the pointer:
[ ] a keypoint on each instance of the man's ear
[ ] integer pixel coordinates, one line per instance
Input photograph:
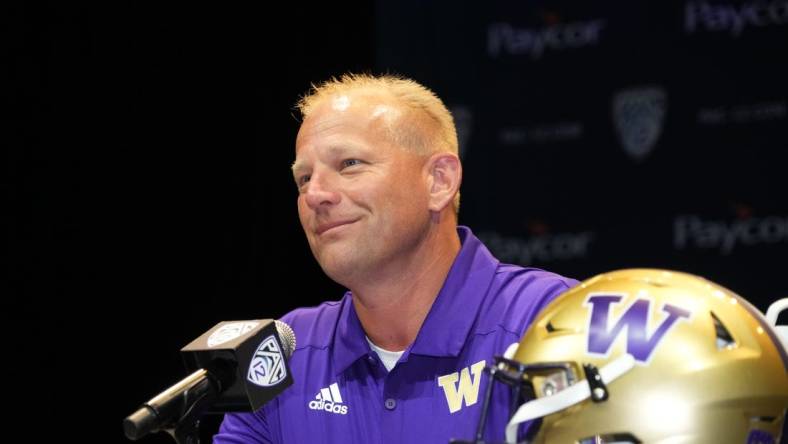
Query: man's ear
(444, 177)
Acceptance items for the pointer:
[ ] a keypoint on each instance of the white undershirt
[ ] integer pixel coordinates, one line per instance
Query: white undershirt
(389, 358)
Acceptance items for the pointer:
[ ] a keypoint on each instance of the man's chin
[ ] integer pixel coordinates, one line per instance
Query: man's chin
(339, 267)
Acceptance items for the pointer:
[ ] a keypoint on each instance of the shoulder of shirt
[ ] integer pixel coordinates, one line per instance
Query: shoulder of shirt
(517, 294)
(314, 326)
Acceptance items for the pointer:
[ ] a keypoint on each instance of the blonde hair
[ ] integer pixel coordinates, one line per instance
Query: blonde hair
(427, 126)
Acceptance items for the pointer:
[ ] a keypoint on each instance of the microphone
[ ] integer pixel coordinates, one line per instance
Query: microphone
(236, 365)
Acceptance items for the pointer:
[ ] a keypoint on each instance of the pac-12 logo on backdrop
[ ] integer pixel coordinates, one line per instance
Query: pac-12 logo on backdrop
(638, 114)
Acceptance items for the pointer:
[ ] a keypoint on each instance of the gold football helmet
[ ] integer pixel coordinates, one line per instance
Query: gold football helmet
(649, 356)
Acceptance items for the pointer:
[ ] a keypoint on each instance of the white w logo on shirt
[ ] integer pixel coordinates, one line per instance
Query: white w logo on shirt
(468, 388)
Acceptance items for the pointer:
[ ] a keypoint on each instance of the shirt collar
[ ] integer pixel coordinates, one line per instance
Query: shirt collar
(350, 341)
(450, 318)
(454, 311)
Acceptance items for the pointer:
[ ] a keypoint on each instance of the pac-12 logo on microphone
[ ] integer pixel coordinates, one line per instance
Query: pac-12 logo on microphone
(230, 331)
(268, 364)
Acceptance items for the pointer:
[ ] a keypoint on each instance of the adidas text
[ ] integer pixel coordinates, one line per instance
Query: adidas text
(328, 406)
(329, 400)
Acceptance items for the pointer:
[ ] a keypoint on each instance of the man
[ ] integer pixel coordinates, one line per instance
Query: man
(399, 359)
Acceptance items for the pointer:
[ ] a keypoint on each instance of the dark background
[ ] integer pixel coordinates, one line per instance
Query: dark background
(149, 193)
(147, 148)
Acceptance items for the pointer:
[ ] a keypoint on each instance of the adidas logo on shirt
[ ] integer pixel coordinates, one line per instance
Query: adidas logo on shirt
(330, 400)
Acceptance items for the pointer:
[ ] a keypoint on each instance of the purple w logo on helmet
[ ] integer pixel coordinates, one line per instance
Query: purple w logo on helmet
(601, 335)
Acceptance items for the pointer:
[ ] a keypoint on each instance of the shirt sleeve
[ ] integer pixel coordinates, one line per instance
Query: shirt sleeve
(244, 428)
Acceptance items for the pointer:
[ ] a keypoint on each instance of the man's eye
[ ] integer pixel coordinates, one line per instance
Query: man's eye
(303, 179)
(350, 162)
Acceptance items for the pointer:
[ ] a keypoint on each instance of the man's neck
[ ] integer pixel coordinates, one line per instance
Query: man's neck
(393, 307)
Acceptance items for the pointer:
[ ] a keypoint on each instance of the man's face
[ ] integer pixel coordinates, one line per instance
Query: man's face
(363, 201)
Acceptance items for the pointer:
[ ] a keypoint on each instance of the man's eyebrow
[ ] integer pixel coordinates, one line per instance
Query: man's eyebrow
(333, 150)
(297, 166)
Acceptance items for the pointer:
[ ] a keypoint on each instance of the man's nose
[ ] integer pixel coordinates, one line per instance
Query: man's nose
(321, 191)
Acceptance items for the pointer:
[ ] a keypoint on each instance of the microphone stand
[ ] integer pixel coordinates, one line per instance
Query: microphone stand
(178, 410)
(186, 430)
(185, 402)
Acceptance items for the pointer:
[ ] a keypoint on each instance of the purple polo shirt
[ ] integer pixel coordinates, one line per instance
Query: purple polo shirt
(342, 393)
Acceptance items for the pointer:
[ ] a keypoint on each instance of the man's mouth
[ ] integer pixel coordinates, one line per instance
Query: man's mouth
(323, 227)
